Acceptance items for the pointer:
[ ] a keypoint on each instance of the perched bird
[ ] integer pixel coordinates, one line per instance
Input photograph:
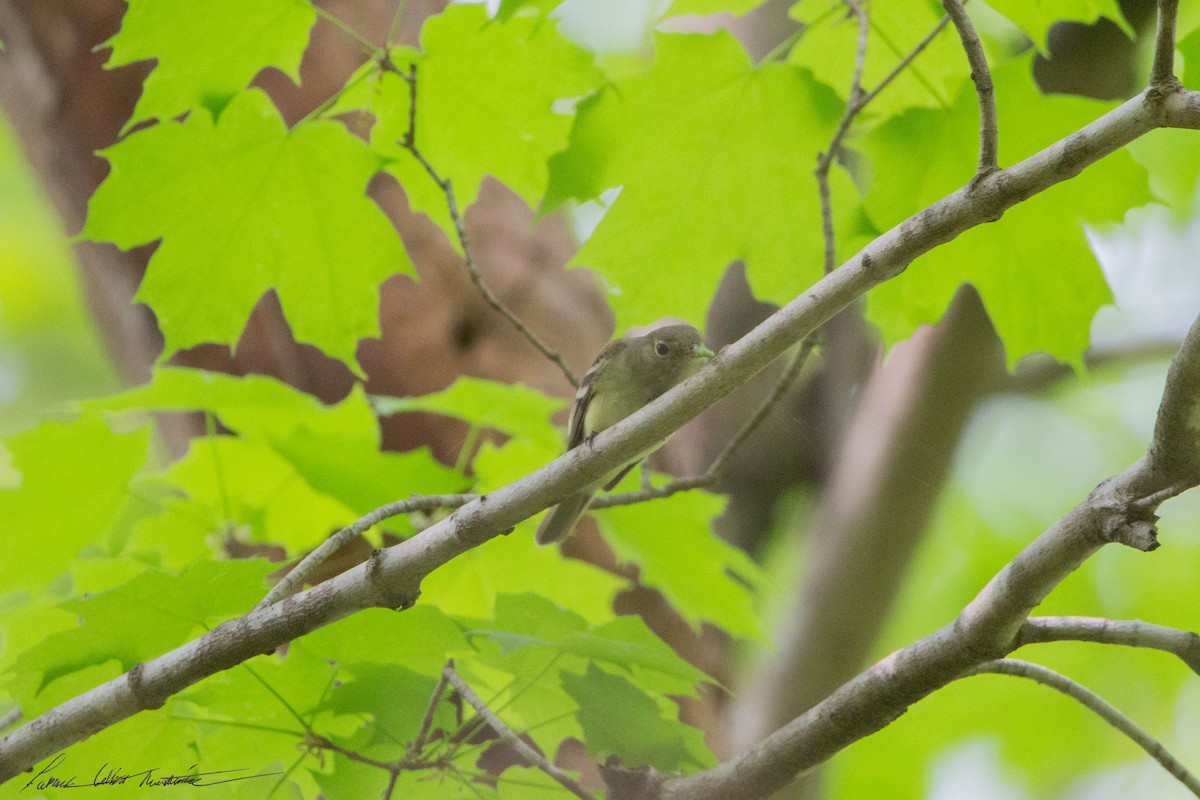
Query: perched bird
(627, 375)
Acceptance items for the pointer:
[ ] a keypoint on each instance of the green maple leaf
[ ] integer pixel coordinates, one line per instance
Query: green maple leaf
(208, 50)
(830, 42)
(243, 205)
(486, 105)
(1036, 17)
(1034, 269)
(146, 616)
(84, 461)
(514, 409)
(715, 159)
(620, 718)
(692, 567)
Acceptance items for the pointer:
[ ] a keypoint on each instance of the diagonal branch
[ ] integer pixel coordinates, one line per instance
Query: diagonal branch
(392, 577)
(989, 129)
(409, 143)
(1130, 633)
(532, 756)
(1097, 704)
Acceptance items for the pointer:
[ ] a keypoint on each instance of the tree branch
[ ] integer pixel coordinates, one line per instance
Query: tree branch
(1097, 704)
(988, 628)
(418, 744)
(853, 106)
(532, 756)
(873, 514)
(711, 475)
(392, 577)
(1130, 633)
(1175, 447)
(296, 576)
(1162, 73)
(409, 143)
(989, 129)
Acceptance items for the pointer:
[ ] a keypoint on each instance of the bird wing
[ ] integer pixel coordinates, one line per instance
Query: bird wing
(583, 397)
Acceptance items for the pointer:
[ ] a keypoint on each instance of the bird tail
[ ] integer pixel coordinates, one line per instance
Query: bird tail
(562, 518)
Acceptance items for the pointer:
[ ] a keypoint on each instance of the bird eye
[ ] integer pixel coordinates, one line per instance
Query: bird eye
(661, 348)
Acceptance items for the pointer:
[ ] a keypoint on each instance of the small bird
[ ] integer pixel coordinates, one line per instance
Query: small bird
(627, 375)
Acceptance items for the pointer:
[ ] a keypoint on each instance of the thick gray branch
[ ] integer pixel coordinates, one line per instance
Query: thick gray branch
(392, 577)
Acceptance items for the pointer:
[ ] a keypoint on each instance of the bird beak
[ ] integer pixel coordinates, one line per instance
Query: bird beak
(700, 351)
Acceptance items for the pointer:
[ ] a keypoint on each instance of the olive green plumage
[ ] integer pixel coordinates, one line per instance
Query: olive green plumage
(627, 375)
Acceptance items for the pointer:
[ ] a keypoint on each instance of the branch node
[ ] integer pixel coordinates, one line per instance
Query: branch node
(145, 698)
(1130, 524)
(387, 595)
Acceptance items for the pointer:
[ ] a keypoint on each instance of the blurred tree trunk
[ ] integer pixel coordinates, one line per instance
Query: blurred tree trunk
(872, 515)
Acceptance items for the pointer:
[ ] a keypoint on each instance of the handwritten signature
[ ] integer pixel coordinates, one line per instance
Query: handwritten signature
(109, 775)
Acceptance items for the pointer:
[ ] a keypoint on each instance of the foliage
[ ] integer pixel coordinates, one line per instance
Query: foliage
(112, 556)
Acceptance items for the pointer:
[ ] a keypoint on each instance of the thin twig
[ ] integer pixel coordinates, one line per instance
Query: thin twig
(288, 583)
(13, 715)
(1162, 74)
(717, 467)
(1097, 704)
(853, 106)
(989, 129)
(1130, 633)
(409, 143)
(418, 744)
(506, 733)
(859, 99)
(785, 380)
